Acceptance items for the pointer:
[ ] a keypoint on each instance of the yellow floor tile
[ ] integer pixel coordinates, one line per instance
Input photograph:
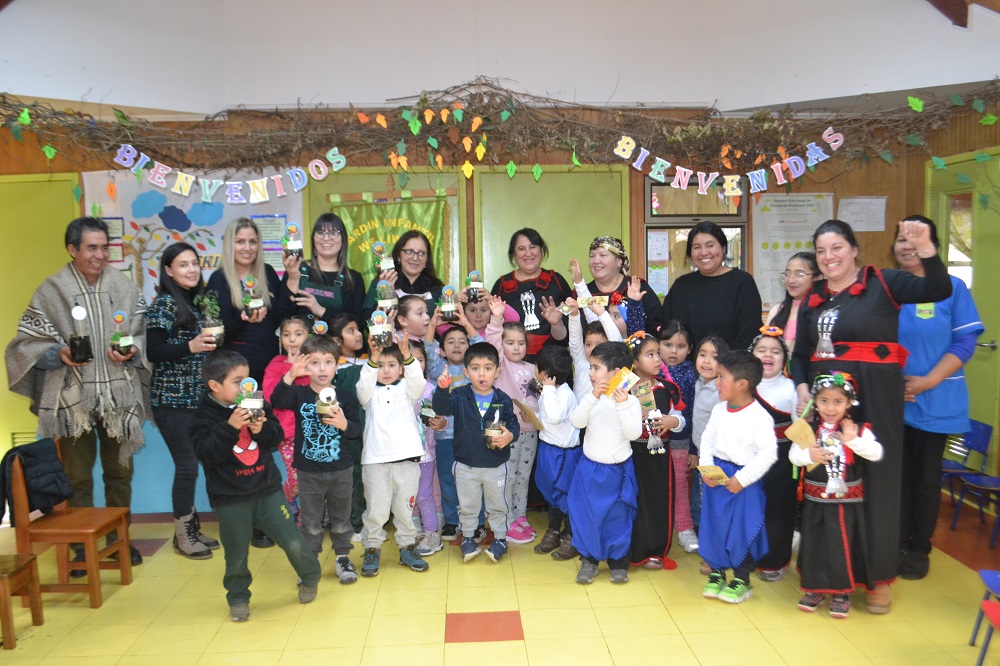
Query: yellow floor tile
(887, 638)
(792, 644)
(480, 572)
(395, 630)
(253, 636)
(379, 655)
(635, 621)
(552, 596)
(190, 610)
(323, 633)
(402, 601)
(637, 592)
(80, 661)
(97, 641)
(578, 652)
(134, 610)
(335, 600)
(204, 585)
(568, 623)
(174, 639)
(710, 615)
(161, 660)
(673, 650)
(507, 653)
(932, 659)
(394, 575)
(266, 658)
(722, 648)
(345, 656)
(479, 600)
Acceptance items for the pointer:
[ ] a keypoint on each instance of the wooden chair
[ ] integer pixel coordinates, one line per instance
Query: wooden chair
(18, 576)
(68, 525)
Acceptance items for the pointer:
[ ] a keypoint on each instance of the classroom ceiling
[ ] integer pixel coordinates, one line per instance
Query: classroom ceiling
(957, 11)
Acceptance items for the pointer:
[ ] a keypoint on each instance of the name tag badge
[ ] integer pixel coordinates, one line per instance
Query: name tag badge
(925, 310)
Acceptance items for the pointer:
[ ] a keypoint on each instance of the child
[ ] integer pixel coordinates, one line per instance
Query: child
(558, 446)
(582, 340)
(776, 394)
(480, 465)
(427, 505)
(602, 497)
(325, 466)
(243, 483)
(511, 340)
(653, 525)
(293, 333)
(706, 396)
(675, 345)
(390, 468)
(833, 552)
(345, 331)
(445, 356)
(740, 440)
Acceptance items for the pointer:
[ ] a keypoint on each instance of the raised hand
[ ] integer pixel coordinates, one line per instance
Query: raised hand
(497, 305)
(634, 292)
(575, 272)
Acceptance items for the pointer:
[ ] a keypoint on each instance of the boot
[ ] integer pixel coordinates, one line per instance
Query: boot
(186, 539)
(879, 600)
(565, 551)
(206, 541)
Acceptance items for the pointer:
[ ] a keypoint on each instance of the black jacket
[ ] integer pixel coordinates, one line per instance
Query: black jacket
(44, 477)
(470, 446)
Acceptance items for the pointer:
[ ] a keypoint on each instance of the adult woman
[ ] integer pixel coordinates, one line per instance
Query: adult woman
(532, 291)
(800, 271)
(250, 335)
(849, 323)
(941, 338)
(715, 299)
(413, 273)
(610, 267)
(325, 285)
(176, 346)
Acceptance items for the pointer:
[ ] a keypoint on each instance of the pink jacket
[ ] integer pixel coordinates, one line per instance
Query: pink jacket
(273, 373)
(514, 377)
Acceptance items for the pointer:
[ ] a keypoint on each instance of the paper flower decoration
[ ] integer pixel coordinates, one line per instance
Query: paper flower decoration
(119, 317)
(248, 385)
(292, 228)
(249, 282)
(378, 247)
(448, 290)
(474, 276)
(379, 318)
(320, 327)
(383, 289)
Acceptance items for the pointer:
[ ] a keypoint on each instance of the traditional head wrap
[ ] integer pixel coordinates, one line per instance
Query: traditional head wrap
(770, 332)
(615, 247)
(836, 379)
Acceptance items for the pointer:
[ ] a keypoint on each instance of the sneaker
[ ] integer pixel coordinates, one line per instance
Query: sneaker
(712, 589)
(408, 557)
(307, 594)
(356, 537)
(480, 534)
(619, 576)
(346, 573)
(470, 549)
(371, 563)
(497, 550)
(840, 606)
(261, 540)
(239, 612)
(914, 565)
(565, 551)
(550, 541)
(810, 601)
(772, 576)
(527, 526)
(518, 534)
(449, 533)
(429, 544)
(653, 563)
(587, 574)
(688, 541)
(736, 592)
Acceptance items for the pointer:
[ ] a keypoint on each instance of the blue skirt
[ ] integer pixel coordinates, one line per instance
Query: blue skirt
(602, 507)
(732, 526)
(554, 471)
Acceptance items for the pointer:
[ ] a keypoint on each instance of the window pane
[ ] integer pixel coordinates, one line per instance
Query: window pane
(666, 201)
(665, 254)
(960, 236)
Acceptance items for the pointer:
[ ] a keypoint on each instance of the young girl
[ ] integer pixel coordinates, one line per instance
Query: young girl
(293, 334)
(776, 393)
(426, 503)
(346, 332)
(833, 550)
(653, 526)
(675, 345)
(582, 340)
(706, 396)
(511, 340)
(800, 271)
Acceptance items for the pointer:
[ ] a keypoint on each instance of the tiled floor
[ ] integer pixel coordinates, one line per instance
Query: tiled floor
(526, 609)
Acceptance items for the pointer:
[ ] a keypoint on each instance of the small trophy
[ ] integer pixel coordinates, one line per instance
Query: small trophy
(386, 297)
(320, 327)
(449, 308)
(80, 350)
(534, 387)
(835, 484)
(655, 442)
(473, 286)
(385, 263)
(251, 300)
(825, 323)
(380, 329)
(292, 241)
(250, 398)
(426, 412)
(326, 402)
(120, 342)
(531, 322)
(493, 431)
(208, 305)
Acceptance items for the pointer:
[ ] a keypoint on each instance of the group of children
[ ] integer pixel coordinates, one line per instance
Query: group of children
(446, 420)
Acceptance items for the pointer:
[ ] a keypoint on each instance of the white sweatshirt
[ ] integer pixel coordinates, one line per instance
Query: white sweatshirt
(744, 437)
(392, 430)
(611, 427)
(554, 408)
(581, 366)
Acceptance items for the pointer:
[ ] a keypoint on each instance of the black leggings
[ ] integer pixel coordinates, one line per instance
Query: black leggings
(556, 520)
(173, 425)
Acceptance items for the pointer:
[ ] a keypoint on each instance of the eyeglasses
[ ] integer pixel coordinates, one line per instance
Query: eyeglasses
(798, 275)
(410, 254)
(328, 233)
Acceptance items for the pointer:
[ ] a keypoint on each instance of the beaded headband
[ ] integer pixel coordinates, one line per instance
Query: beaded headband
(615, 247)
(841, 380)
(770, 332)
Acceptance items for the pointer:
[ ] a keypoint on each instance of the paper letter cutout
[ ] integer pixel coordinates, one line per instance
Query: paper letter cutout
(182, 185)
(336, 160)
(126, 155)
(796, 166)
(318, 170)
(143, 161)
(779, 173)
(681, 178)
(258, 190)
(233, 194)
(758, 180)
(656, 172)
(731, 185)
(814, 155)
(625, 147)
(298, 178)
(278, 185)
(157, 173)
(835, 139)
(643, 154)
(704, 183)
(207, 191)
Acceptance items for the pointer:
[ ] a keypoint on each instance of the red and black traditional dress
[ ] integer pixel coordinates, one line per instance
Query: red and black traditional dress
(777, 396)
(526, 298)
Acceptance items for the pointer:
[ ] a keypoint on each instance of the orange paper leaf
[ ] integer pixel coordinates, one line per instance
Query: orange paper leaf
(380, 119)
(725, 151)
(738, 153)
(781, 151)
(444, 115)
(760, 158)
(439, 162)
(112, 190)
(726, 163)
(404, 162)
(454, 135)
(467, 142)
(476, 123)
(457, 105)
(428, 116)
(363, 119)
(394, 160)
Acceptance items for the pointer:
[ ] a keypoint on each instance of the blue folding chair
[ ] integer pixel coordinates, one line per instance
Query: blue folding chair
(992, 611)
(963, 452)
(986, 489)
(991, 579)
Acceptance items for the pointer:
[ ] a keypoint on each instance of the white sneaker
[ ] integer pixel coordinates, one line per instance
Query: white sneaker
(429, 544)
(356, 537)
(688, 541)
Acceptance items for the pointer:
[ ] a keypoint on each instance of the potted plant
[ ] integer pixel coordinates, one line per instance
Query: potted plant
(211, 322)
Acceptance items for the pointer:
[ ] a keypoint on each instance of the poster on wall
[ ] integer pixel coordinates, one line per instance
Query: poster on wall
(783, 225)
(863, 213)
(146, 218)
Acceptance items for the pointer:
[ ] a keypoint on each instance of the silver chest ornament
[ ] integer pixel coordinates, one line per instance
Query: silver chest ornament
(531, 322)
(835, 484)
(824, 325)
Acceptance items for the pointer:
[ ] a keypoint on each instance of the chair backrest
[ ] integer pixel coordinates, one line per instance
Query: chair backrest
(21, 511)
(971, 448)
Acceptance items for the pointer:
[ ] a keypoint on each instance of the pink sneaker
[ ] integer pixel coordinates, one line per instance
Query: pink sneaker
(517, 534)
(526, 525)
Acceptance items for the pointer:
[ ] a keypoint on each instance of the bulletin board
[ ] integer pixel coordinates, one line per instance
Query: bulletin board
(569, 208)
